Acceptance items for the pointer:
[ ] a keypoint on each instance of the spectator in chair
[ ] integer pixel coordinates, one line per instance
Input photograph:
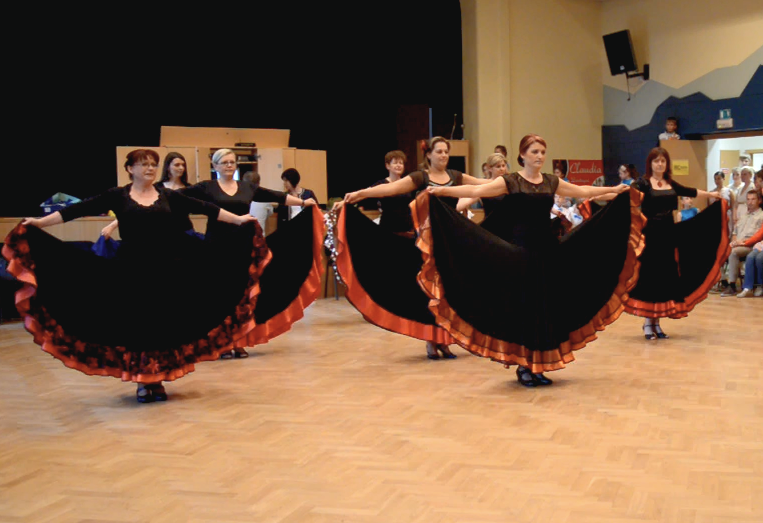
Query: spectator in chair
(744, 231)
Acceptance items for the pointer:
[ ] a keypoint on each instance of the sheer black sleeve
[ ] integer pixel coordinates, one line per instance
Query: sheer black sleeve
(419, 179)
(641, 185)
(681, 190)
(96, 205)
(183, 204)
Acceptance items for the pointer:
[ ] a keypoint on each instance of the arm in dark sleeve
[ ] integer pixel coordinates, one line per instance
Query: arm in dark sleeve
(95, 206)
(418, 179)
(641, 185)
(198, 191)
(182, 204)
(691, 192)
(260, 194)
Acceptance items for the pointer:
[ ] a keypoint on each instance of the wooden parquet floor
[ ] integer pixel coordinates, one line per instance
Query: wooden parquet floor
(339, 421)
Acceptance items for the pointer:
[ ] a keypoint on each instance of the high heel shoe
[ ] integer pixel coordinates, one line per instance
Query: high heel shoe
(540, 379)
(525, 377)
(658, 332)
(432, 351)
(649, 335)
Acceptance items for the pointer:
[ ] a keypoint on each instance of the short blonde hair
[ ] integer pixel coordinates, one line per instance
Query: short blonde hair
(219, 154)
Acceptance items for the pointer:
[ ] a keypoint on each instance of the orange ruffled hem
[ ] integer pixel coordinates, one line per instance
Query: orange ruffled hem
(308, 293)
(513, 353)
(372, 311)
(675, 310)
(52, 337)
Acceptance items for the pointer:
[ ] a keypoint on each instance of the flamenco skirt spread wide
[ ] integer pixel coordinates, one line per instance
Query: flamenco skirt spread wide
(144, 315)
(680, 264)
(379, 269)
(528, 305)
(292, 279)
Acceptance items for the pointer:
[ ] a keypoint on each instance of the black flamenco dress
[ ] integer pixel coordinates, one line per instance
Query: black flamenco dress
(496, 287)
(118, 317)
(395, 213)
(291, 280)
(681, 261)
(378, 266)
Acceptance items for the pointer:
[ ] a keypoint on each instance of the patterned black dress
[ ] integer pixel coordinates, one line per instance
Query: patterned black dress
(116, 317)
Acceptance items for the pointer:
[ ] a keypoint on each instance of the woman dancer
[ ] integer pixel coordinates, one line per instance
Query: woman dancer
(520, 321)
(137, 328)
(379, 268)
(681, 261)
(496, 167)
(174, 176)
(291, 281)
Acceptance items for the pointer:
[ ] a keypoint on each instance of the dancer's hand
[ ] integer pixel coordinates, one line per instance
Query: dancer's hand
(35, 222)
(435, 191)
(715, 194)
(337, 205)
(354, 197)
(109, 229)
(309, 202)
(245, 218)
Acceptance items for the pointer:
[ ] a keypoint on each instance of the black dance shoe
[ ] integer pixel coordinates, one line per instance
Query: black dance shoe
(144, 395)
(445, 351)
(649, 335)
(540, 379)
(525, 377)
(658, 332)
(432, 353)
(158, 392)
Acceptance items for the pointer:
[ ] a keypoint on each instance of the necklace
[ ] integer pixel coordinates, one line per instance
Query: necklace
(659, 183)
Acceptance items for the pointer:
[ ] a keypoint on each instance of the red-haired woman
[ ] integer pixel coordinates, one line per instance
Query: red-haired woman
(512, 260)
(114, 317)
(681, 261)
(379, 267)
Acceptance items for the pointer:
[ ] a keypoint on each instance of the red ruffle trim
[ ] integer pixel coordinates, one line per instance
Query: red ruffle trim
(370, 310)
(103, 360)
(673, 309)
(308, 293)
(512, 353)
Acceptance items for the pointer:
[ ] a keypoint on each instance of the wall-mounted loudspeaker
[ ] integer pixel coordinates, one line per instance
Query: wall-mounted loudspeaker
(620, 52)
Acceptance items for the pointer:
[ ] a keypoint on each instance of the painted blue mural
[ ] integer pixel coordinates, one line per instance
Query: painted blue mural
(697, 115)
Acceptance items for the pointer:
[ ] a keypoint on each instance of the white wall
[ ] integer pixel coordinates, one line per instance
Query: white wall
(714, 148)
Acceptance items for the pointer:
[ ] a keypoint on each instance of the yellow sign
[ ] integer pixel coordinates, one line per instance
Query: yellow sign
(680, 167)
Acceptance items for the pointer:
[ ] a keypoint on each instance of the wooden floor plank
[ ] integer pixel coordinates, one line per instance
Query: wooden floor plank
(339, 421)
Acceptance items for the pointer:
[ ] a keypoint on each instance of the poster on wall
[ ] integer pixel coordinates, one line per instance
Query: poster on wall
(580, 172)
(680, 167)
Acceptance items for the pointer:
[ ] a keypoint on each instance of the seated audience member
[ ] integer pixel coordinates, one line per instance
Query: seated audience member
(564, 208)
(291, 180)
(688, 210)
(560, 169)
(671, 126)
(627, 173)
(753, 269)
(746, 174)
(744, 231)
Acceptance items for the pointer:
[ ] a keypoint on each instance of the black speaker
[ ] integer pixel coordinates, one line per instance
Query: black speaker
(620, 52)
